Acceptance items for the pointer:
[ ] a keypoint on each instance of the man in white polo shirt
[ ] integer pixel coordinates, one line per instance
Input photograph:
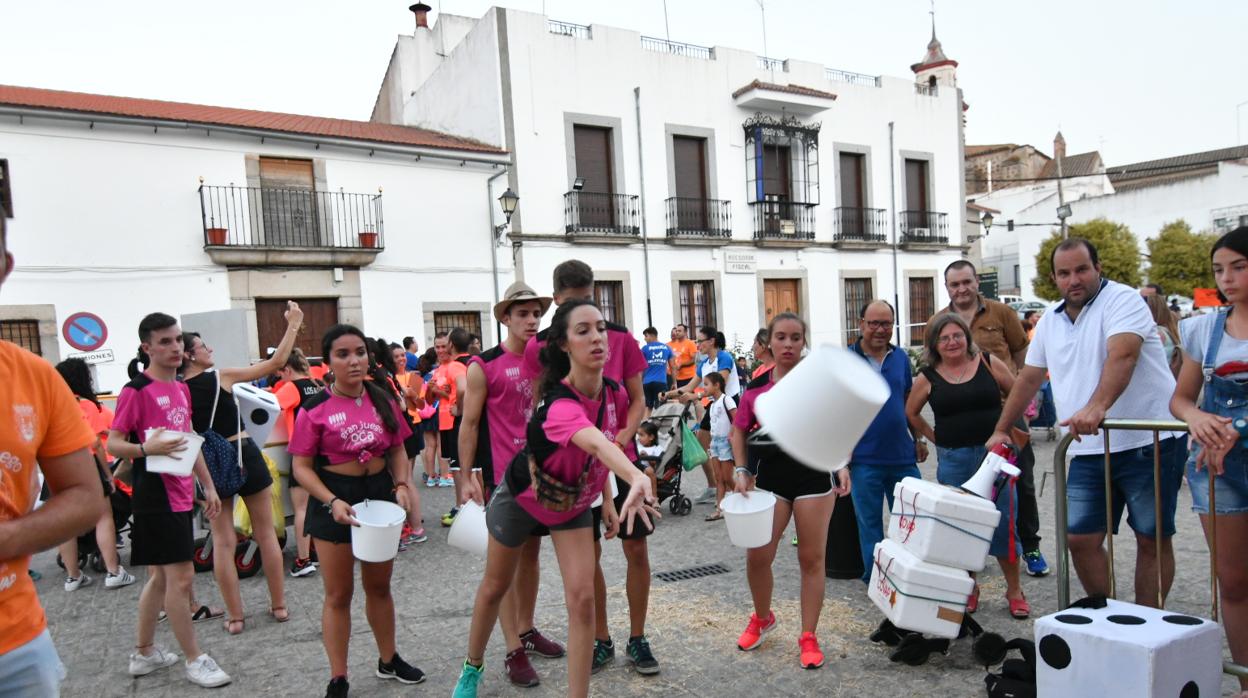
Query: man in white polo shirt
(1104, 356)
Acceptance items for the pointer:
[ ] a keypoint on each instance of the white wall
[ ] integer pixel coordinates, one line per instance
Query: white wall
(108, 221)
(460, 96)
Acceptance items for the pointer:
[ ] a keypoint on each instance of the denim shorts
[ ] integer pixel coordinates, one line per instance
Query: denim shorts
(955, 466)
(1231, 487)
(32, 670)
(720, 448)
(1132, 489)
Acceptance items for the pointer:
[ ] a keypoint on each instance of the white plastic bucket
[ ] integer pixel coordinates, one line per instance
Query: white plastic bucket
(180, 463)
(259, 411)
(376, 539)
(468, 531)
(750, 518)
(820, 410)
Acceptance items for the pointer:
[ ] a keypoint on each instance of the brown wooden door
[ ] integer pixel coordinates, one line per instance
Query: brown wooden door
(689, 164)
(916, 185)
(593, 162)
(779, 296)
(319, 314)
(287, 195)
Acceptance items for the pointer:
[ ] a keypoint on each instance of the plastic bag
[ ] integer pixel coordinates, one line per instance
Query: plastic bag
(242, 518)
(692, 455)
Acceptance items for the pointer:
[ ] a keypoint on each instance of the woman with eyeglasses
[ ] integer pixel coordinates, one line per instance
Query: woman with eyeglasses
(965, 387)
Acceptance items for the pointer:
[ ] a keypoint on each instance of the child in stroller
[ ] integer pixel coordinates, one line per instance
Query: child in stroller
(666, 421)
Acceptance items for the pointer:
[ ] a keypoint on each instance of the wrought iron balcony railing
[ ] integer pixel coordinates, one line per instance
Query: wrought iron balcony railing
(601, 213)
(266, 217)
(783, 220)
(698, 218)
(860, 224)
(852, 78)
(576, 31)
(925, 227)
(925, 90)
(676, 48)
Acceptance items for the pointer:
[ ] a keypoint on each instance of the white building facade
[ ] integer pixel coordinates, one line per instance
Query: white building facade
(218, 216)
(704, 185)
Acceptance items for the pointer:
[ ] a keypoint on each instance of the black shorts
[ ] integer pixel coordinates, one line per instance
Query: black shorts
(511, 525)
(639, 527)
(353, 489)
(257, 470)
(680, 383)
(449, 443)
(414, 444)
(652, 391)
(791, 481)
(161, 538)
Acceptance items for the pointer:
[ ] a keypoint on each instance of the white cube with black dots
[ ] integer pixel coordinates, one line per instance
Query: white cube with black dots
(1127, 651)
(258, 409)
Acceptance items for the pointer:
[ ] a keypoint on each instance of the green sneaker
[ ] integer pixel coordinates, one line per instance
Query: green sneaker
(466, 687)
(604, 654)
(794, 540)
(639, 654)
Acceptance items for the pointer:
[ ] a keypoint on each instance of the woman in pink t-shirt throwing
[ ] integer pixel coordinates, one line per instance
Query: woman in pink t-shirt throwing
(553, 482)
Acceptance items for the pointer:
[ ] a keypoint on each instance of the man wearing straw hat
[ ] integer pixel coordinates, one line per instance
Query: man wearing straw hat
(1105, 360)
(888, 451)
(497, 406)
(996, 329)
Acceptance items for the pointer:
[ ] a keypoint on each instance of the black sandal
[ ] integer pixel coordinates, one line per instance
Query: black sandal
(206, 613)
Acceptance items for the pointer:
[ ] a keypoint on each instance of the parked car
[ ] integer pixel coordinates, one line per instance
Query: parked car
(1021, 307)
(1010, 300)
(1184, 303)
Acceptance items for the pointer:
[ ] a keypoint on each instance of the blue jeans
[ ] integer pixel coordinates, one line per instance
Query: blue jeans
(33, 670)
(1132, 481)
(872, 484)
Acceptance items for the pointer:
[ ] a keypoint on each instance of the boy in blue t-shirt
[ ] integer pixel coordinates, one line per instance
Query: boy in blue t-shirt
(658, 358)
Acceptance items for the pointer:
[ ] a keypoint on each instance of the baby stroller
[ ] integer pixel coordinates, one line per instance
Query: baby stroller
(88, 547)
(668, 417)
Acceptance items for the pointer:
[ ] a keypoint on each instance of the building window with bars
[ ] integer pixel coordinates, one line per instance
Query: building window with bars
(23, 333)
(922, 307)
(445, 322)
(697, 304)
(857, 294)
(609, 295)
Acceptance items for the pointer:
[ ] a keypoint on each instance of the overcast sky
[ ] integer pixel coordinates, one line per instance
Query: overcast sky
(1136, 79)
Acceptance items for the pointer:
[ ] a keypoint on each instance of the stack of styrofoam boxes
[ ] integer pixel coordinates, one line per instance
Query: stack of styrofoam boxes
(937, 535)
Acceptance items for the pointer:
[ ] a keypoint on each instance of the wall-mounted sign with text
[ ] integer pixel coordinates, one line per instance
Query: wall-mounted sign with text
(99, 356)
(740, 263)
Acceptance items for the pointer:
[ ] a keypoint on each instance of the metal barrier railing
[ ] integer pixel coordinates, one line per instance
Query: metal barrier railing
(1063, 549)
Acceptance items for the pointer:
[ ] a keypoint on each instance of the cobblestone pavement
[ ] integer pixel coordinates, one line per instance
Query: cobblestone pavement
(692, 625)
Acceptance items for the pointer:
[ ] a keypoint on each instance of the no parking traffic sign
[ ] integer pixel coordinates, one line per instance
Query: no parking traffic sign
(84, 331)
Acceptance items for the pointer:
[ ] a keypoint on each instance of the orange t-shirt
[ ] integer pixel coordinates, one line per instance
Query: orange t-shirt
(411, 378)
(38, 419)
(99, 420)
(445, 376)
(684, 350)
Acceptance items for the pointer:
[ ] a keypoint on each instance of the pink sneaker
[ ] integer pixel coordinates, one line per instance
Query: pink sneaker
(756, 631)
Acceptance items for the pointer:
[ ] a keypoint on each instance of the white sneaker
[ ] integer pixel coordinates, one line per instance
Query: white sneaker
(707, 496)
(205, 672)
(75, 583)
(144, 664)
(119, 580)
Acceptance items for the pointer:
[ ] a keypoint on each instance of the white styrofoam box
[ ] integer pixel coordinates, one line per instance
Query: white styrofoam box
(918, 595)
(1127, 651)
(259, 411)
(942, 525)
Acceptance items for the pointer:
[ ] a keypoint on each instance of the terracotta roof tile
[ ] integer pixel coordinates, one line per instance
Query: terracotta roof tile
(1074, 165)
(791, 89)
(1138, 175)
(242, 118)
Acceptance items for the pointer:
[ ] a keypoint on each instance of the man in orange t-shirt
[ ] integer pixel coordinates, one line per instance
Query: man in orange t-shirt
(449, 384)
(685, 350)
(40, 425)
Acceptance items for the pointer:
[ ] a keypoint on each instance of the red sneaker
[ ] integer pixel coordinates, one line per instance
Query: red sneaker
(972, 603)
(519, 671)
(537, 643)
(811, 655)
(755, 631)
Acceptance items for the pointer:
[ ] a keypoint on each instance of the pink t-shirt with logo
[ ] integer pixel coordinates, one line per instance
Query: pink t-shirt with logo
(159, 404)
(565, 418)
(508, 406)
(343, 431)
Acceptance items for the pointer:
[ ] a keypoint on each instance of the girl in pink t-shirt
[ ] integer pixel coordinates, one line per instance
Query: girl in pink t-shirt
(348, 447)
(553, 482)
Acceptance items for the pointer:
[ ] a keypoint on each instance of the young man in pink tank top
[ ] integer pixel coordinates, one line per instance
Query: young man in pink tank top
(497, 405)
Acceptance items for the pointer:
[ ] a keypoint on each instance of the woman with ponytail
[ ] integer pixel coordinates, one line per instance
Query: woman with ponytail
(348, 447)
(552, 483)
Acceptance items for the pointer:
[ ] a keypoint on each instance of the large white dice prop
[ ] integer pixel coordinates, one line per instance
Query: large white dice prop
(942, 525)
(918, 595)
(259, 411)
(1127, 651)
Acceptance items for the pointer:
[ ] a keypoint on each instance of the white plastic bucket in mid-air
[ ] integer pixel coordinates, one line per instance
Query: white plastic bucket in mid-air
(468, 531)
(258, 410)
(180, 463)
(820, 410)
(749, 519)
(376, 539)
